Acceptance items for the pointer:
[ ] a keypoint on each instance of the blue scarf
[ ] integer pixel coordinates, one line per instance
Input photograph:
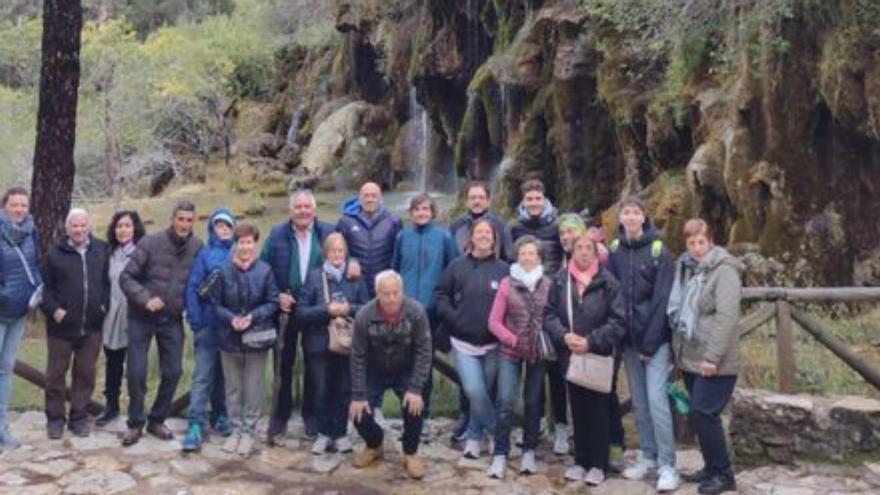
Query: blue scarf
(333, 272)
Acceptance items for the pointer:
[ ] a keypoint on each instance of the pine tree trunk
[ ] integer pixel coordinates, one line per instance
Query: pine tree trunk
(54, 169)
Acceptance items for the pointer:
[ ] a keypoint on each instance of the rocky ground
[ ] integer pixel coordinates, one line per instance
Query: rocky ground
(98, 465)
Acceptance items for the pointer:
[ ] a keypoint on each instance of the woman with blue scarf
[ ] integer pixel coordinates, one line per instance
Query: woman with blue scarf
(329, 294)
(19, 281)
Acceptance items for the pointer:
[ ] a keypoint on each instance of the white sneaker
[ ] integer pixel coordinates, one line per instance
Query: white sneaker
(560, 439)
(231, 444)
(246, 445)
(471, 449)
(643, 467)
(499, 465)
(668, 479)
(527, 463)
(321, 444)
(594, 477)
(575, 473)
(342, 444)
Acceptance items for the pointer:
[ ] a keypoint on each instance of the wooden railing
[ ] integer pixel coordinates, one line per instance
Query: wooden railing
(776, 302)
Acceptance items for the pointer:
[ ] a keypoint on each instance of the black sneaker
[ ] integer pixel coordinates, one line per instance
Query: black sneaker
(55, 429)
(717, 484)
(277, 430)
(696, 477)
(79, 428)
(107, 415)
(459, 433)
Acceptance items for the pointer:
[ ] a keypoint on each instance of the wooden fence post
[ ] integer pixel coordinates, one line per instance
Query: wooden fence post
(785, 369)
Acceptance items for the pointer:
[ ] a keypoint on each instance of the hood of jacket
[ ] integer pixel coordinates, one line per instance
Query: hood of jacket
(718, 256)
(650, 232)
(352, 208)
(547, 216)
(213, 240)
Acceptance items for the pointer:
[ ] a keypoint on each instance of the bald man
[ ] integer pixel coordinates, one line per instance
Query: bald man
(370, 231)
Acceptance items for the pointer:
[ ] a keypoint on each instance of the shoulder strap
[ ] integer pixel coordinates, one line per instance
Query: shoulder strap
(568, 302)
(326, 286)
(656, 248)
(24, 263)
(613, 245)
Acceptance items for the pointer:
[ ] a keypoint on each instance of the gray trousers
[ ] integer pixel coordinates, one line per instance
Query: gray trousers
(244, 374)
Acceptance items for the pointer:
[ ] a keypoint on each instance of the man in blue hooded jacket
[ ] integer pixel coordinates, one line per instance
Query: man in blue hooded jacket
(207, 382)
(369, 230)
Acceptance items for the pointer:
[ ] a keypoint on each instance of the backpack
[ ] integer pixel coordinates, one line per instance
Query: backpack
(656, 248)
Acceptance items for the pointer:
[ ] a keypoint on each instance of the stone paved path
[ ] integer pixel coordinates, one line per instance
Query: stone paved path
(98, 465)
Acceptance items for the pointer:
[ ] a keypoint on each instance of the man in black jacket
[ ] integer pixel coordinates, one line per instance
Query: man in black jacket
(154, 282)
(391, 349)
(478, 196)
(76, 293)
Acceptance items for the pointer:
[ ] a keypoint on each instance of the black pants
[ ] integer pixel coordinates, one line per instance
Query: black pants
(114, 370)
(617, 433)
(558, 400)
(169, 339)
(709, 396)
(412, 425)
(79, 355)
(284, 408)
(330, 378)
(591, 418)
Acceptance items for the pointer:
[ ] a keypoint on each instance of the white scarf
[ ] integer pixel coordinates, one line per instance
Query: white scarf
(529, 279)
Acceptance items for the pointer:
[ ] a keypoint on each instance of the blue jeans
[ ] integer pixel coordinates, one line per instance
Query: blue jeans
(207, 380)
(509, 375)
(11, 332)
(478, 375)
(647, 384)
(330, 378)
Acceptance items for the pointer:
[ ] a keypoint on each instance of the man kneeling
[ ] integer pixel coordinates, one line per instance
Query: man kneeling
(391, 349)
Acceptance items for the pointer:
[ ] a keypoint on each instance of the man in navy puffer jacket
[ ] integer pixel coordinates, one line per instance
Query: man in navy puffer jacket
(369, 230)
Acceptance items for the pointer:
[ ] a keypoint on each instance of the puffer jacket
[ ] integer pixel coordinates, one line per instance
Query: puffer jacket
(311, 308)
(515, 311)
(210, 259)
(716, 337)
(18, 280)
(281, 251)
(598, 314)
(159, 267)
(239, 293)
(546, 230)
(464, 297)
(370, 240)
(421, 253)
(79, 285)
(381, 349)
(461, 233)
(645, 278)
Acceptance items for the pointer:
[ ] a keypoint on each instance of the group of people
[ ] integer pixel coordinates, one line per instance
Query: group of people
(517, 307)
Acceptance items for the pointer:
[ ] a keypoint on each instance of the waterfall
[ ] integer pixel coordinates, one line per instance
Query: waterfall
(419, 147)
(502, 92)
(294, 124)
(499, 171)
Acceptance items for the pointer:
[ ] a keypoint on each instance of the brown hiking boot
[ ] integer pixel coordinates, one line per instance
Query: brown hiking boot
(131, 437)
(160, 431)
(366, 457)
(415, 468)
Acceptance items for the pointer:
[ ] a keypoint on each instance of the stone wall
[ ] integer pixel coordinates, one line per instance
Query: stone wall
(768, 426)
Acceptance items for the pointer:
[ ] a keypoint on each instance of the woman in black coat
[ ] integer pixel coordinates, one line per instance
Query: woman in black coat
(592, 296)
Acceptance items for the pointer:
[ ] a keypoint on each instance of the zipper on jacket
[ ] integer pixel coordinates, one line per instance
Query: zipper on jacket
(85, 291)
(419, 265)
